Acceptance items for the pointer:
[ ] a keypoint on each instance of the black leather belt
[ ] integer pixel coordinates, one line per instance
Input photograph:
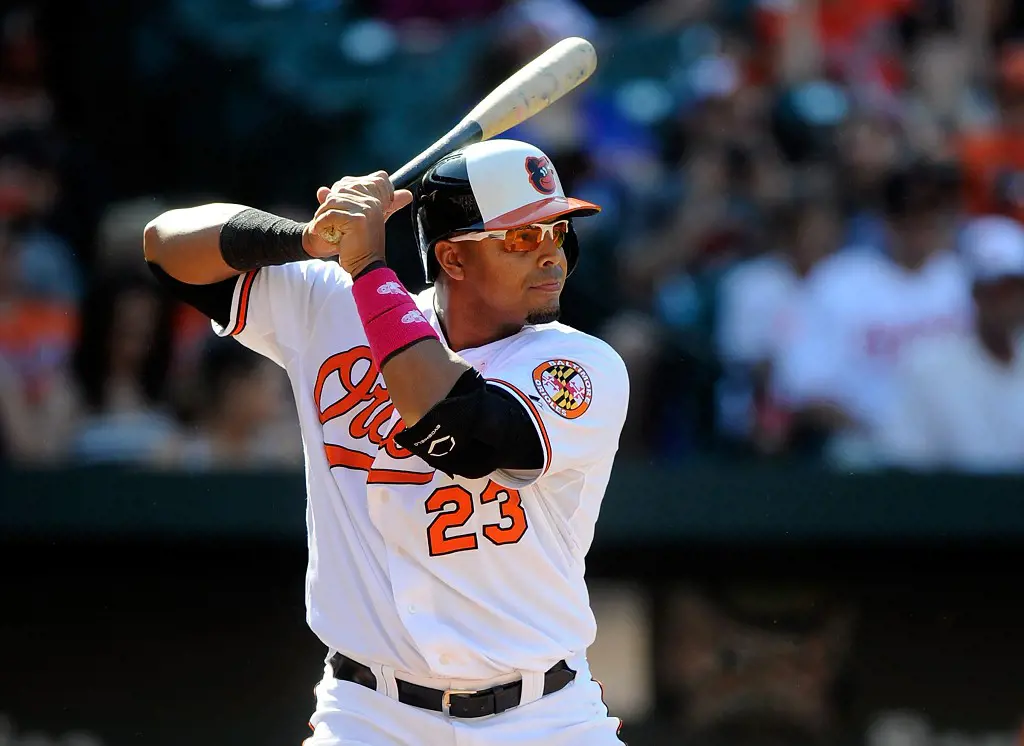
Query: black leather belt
(458, 703)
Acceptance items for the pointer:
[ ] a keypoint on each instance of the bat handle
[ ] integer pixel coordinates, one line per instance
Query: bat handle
(464, 133)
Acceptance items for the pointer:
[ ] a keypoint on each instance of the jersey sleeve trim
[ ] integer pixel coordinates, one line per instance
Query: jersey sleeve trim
(242, 305)
(534, 415)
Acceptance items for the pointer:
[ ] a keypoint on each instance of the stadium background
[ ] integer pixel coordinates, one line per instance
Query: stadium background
(755, 582)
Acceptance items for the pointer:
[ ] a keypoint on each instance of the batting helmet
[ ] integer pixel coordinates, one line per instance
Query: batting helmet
(491, 186)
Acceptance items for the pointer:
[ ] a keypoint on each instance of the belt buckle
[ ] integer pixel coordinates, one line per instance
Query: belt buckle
(446, 698)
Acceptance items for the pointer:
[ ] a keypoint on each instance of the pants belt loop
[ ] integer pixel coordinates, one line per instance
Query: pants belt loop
(386, 682)
(533, 687)
(378, 674)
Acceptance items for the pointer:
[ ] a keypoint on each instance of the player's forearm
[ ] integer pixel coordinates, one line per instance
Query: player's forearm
(418, 371)
(211, 243)
(420, 376)
(186, 243)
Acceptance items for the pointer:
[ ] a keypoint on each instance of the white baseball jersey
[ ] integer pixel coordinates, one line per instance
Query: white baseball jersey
(452, 578)
(958, 407)
(751, 301)
(855, 317)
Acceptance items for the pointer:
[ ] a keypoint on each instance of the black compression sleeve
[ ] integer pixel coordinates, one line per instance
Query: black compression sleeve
(213, 301)
(254, 238)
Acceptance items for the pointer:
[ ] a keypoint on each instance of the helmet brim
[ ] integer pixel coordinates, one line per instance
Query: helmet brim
(542, 211)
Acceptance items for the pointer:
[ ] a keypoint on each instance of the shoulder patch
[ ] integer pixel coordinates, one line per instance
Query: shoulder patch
(564, 386)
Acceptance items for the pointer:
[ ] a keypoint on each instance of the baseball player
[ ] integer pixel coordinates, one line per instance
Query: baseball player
(457, 442)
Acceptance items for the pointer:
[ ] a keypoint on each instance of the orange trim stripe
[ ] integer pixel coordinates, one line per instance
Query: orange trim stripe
(243, 302)
(537, 419)
(340, 456)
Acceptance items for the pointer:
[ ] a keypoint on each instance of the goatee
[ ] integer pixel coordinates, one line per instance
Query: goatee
(544, 315)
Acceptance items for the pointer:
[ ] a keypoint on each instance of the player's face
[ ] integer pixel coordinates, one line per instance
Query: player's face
(8, 269)
(518, 286)
(919, 236)
(1013, 111)
(1001, 304)
(817, 233)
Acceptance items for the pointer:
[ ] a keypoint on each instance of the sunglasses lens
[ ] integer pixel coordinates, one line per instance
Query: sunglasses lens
(530, 237)
(560, 230)
(523, 239)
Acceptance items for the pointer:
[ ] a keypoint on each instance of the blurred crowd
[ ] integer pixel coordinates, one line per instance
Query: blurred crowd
(810, 247)
(96, 364)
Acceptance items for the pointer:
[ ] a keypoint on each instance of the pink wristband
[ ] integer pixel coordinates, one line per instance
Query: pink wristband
(390, 317)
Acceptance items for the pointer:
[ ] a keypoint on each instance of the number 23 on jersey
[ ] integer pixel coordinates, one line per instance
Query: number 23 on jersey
(454, 505)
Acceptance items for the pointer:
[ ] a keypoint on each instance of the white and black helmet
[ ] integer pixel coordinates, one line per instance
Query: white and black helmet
(490, 186)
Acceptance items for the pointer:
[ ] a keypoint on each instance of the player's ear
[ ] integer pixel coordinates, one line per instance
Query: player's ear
(449, 256)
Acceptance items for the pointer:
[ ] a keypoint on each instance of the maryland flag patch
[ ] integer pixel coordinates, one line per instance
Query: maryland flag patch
(564, 386)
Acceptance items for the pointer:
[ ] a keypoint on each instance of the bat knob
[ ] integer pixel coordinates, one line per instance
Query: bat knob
(330, 235)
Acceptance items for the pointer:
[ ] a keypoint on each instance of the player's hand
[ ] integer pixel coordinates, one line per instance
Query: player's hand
(350, 220)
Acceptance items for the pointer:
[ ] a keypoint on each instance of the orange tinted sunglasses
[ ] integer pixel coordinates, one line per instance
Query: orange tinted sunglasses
(525, 238)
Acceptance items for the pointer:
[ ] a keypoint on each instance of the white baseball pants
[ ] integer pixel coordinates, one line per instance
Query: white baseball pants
(349, 714)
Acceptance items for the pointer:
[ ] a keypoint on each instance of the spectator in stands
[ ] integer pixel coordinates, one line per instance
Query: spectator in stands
(36, 337)
(945, 98)
(861, 309)
(121, 366)
(961, 399)
(24, 100)
(994, 158)
(18, 436)
(244, 423)
(724, 192)
(656, 274)
(29, 187)
(867, 149)
(753, 299)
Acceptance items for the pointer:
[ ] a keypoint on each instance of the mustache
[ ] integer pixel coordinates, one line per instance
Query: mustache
(556, 276)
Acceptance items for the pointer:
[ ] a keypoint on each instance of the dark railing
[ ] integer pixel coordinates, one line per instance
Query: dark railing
(707, 501)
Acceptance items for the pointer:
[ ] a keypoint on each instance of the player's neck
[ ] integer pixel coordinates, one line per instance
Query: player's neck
(998, 343)
(910, 260)
(467, 325)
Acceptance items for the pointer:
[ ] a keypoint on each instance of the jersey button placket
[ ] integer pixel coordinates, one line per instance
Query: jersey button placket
(415, 605)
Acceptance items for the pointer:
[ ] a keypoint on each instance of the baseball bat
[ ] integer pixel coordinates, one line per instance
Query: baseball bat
(529, 90)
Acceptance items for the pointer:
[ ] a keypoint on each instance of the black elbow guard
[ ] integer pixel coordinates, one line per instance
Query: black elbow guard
(474, 431)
